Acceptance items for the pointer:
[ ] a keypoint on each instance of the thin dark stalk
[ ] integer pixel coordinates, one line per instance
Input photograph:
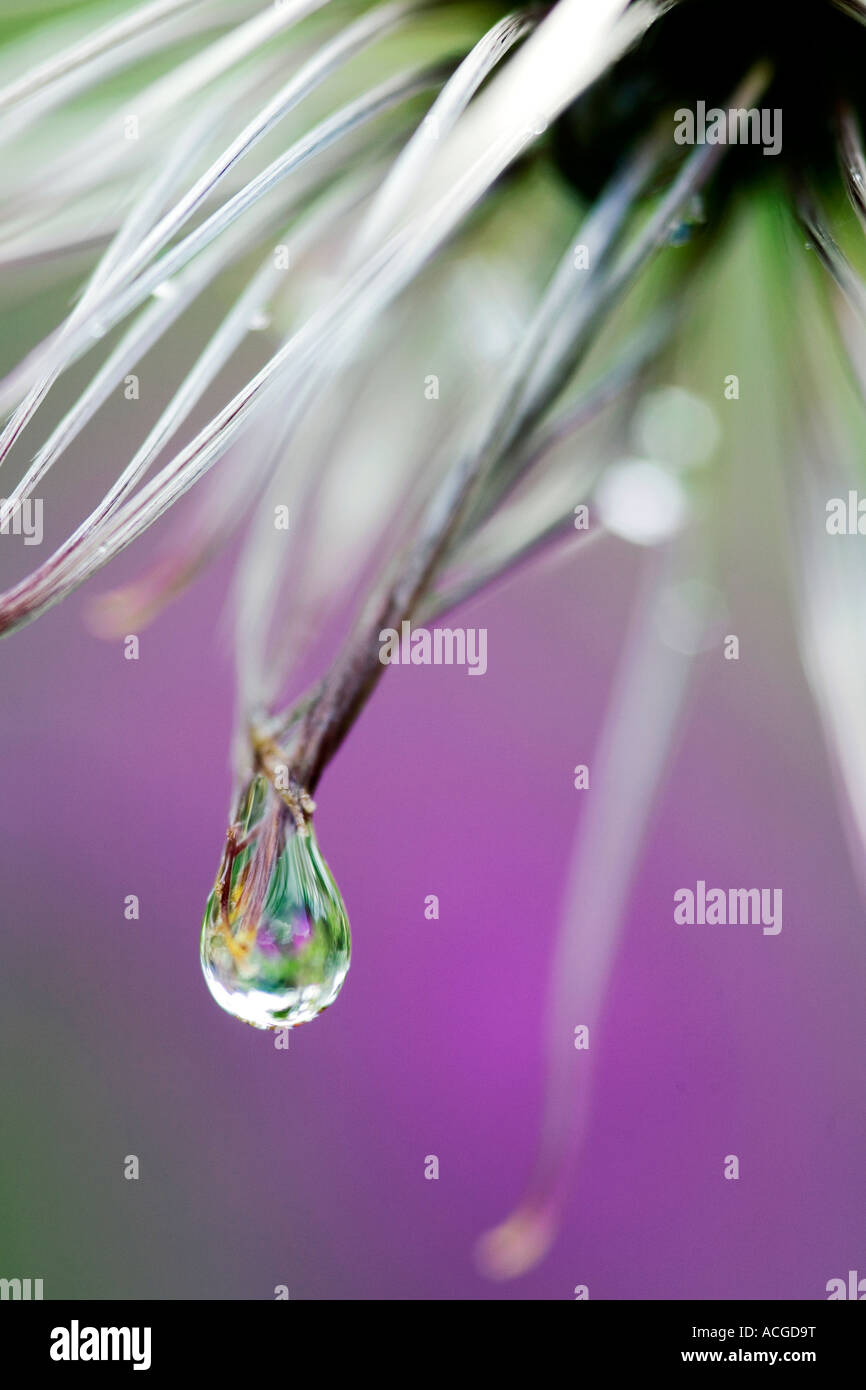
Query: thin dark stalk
(828, 251)
(358, 669)
(852, 159)
(520, 461)
(441, 601)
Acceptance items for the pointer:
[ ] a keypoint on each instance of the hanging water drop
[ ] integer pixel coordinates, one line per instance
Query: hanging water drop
(275, 942)
(693, 215)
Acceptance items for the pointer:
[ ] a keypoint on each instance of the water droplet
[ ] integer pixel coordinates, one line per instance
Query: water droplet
(275, 941)
(693, 215)
(679, 233)
(259, 322)
(166, 290)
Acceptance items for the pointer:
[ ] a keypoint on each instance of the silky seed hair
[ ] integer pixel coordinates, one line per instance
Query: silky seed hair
(355, 184)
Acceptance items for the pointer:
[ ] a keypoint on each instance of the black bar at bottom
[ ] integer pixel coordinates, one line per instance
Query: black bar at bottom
(267, 1339)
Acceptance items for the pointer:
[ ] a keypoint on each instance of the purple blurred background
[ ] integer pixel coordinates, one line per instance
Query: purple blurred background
(262, 1167)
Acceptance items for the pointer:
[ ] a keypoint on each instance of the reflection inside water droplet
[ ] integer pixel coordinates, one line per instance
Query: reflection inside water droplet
(275, 941)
